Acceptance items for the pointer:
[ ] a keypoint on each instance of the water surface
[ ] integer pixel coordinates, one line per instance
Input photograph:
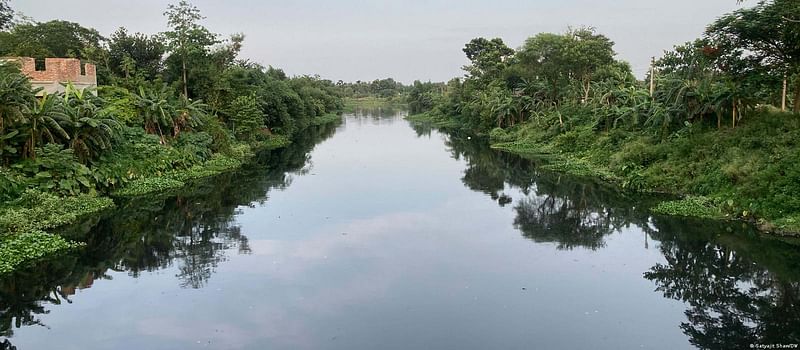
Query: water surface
(374, 234)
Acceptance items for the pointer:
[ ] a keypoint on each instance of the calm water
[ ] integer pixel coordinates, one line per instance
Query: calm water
(377, 235)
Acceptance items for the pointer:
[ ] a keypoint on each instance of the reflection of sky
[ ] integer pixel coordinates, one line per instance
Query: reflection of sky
(423, 263)
(407, 40)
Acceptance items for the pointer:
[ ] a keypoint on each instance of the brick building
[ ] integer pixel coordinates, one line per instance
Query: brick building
(57, 73)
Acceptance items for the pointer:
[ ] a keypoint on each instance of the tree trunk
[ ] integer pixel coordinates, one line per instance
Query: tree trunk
(185, 84)
(586, 91)
(733, 115)
(783, 96)
(796, 102)
(652, 77)
(33, 141)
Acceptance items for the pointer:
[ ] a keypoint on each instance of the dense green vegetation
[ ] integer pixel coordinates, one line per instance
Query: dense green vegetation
(712, 119)
(171, 108)
(377, 94)
(382, 88)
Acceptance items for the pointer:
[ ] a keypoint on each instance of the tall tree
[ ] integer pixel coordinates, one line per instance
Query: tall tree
(766, 35)
(6, 15)
(51, 39)
(187, 37)
(487, 57)
(131, 54)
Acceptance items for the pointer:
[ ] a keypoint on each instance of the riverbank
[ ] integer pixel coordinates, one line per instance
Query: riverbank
(30, 223)
(352, 104)
(748, 173)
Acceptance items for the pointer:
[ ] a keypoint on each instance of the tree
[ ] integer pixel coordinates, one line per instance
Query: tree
(132, 54)
(246, 117)
(766, 35)
(6, 15)
(52, 39)
(487, 57)
(187, 38)
(579, 54)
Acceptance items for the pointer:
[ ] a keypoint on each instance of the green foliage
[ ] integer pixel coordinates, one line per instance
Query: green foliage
(422, 96)
(134, 58)
(246, 117)
(195, 144)
(51, 39)
(487, 57)
(11, 185)
(326, 119)
(6, 15)
(377, 89)
(149, 185)
(178, 178)
(36, 210)
(690, 206)
(89, 127)
(26, 248)
(57, 170)
(700, 124)
(135, 135)
(187, 42)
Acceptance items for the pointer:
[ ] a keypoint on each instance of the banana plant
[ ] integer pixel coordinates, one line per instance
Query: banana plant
(90, 128)
(45, 123)
(155, 107)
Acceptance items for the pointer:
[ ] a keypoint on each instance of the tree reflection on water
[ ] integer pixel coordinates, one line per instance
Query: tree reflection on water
(193, 230)
(739, 288)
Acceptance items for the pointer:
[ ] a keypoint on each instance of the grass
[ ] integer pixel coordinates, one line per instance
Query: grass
(751, 172)
(326, 119)
(350, 104)
(218, 164)
(433, 120)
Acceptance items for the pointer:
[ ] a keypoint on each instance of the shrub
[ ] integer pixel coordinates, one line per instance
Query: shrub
(58, 170)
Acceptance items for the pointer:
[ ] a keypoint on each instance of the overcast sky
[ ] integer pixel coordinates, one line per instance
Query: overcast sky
(404, 39)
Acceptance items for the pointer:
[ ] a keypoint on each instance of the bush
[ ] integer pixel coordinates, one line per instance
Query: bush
(500, 135)
(11, 185)
(246, 117)
(57, 170)
(149, 185)
(196, 145)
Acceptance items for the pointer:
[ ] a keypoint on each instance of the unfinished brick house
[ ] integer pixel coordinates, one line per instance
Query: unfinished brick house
(57, 73)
